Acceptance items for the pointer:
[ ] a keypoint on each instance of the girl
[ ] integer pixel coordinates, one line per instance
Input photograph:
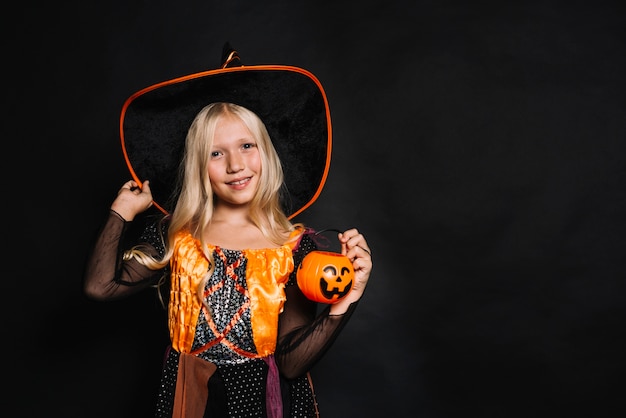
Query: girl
(243, 335)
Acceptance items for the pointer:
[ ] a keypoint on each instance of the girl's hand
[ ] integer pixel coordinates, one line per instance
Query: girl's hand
(132, 200)
(354, 246)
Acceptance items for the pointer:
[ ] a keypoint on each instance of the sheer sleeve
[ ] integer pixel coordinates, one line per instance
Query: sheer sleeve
(303, 335)
(107, 274)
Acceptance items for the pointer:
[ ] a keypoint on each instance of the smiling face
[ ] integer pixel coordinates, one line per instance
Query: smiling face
(235, 164)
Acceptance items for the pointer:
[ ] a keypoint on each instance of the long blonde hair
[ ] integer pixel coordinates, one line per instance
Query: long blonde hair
(195, 203)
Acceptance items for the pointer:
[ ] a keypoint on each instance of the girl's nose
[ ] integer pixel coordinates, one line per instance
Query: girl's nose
(235, 163)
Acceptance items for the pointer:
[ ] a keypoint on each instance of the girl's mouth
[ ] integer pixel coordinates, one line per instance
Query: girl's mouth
(239, 182)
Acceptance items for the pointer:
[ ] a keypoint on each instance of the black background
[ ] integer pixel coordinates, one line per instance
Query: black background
(480, 146)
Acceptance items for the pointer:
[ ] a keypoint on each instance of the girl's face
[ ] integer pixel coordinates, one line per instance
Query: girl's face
(235, 164)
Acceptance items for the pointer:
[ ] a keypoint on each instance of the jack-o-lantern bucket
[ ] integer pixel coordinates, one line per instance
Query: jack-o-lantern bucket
(325, 276)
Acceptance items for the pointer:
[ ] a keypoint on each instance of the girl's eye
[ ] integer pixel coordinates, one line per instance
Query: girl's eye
(215, 154)
(249, 146)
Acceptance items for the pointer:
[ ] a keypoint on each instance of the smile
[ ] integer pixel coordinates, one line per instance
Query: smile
(239, 182)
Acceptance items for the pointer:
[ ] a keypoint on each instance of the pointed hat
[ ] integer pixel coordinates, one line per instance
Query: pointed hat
(289, 100)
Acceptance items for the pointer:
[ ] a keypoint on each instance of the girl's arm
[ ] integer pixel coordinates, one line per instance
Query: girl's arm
(303, 335)
(107, 274)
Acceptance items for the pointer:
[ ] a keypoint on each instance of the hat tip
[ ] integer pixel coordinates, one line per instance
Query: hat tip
(230, 57)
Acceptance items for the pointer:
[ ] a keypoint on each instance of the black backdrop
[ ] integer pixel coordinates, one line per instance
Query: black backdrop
(478, 145)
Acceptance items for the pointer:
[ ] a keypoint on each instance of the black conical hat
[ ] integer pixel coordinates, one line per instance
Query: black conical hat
(289, 100)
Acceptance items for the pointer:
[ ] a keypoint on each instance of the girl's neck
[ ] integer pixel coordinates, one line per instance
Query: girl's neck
(236, 236)
(232, 228)
(235, 215)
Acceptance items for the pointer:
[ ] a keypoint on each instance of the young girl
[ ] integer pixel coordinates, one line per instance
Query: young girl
(243, 335)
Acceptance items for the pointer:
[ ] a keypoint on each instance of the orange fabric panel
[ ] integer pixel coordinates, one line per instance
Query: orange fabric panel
(267, 273)
(189, 265)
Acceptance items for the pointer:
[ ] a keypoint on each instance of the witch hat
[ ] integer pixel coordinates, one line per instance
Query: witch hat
(289, 100)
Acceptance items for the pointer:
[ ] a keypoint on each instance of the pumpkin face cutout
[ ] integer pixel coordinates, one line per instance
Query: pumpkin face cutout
(324, 276)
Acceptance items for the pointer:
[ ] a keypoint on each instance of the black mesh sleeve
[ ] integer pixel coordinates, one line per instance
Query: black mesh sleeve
(107, 275)
(303, 335)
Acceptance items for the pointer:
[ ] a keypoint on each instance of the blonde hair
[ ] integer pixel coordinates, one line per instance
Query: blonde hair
(195, 203)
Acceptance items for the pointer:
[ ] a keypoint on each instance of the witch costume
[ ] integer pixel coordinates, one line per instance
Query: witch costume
(249, 355)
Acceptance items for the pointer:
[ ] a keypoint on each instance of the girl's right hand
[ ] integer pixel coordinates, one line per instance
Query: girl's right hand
(132, 199)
